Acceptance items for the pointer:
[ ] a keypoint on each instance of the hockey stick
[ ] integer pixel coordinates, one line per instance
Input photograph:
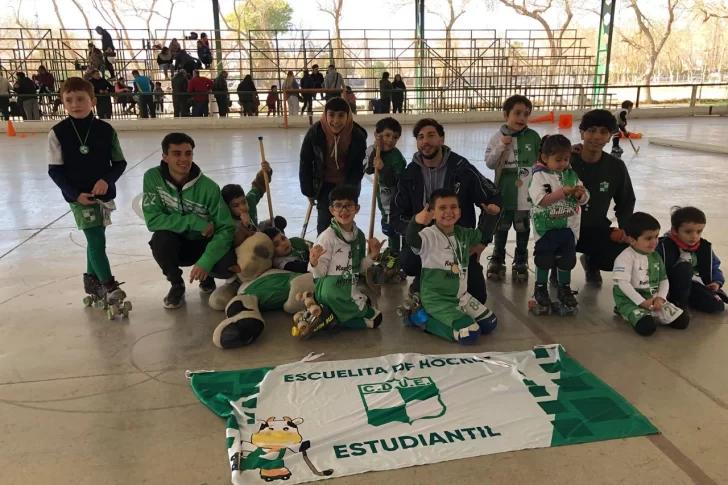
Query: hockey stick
(305, 221)
(375, 187)
(636, 149)
(325, 473)
(265, 177)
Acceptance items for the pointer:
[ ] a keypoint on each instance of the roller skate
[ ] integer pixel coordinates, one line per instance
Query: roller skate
(567, 304)
(496, 266)
(92, 288)
(413, 313)
(519, 268)
(617, 151)
(389, 262)
(314, 318)
(540, 304)
(110, 298)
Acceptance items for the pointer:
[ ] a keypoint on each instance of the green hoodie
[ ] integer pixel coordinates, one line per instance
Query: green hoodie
(187, 210)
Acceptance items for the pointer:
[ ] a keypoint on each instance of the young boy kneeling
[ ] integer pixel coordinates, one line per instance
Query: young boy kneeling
(338, 259)
(445, 252)
(693, 269)
(640, 281)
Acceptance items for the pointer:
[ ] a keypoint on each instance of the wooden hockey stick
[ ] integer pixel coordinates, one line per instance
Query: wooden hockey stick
(267, 182)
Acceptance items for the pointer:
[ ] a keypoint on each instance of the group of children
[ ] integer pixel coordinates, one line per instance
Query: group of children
(657, 279)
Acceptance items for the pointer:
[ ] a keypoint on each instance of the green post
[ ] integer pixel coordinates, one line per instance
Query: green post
(604, 52)
(419, 50)
(218, 41)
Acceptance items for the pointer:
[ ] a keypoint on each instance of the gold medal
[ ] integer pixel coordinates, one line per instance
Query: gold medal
(519, 182)
(455, 268)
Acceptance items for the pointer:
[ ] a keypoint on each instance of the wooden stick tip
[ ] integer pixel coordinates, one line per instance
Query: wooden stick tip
(260, 138)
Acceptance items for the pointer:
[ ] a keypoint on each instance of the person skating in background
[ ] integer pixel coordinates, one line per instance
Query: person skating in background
(221, 94)
(621, 116)
(201, 87)
(556, 194)
(640, 280)
(400, 88)
(607, 179)
(693, 269)
(391, 164)
(512, 152)
(102, 90)
(385, 93)
(332, 153)
(144, 88)
(85, 160)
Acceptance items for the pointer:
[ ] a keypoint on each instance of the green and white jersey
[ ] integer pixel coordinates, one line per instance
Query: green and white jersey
(520, 156)
(444, 277)
(562, 214)
(299, 252)
(644, 272)
(337, 272)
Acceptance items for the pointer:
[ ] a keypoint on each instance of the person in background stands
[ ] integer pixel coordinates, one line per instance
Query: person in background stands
(318, 79)
(200, 102)
(164, 61)
(247, 94)
(46, 84)
(102, 88)
(307, 83)
(174, 47)
(385, 93)
(221, 94)
(398, 94)
(158, 97)
(144, 87)
(333, 81)
(204, 54)
(4, 97)
(180, 99)
(27, 96)
(291, 85)
(351, 99)
(271, 102)
(108, 50)
(95, 58)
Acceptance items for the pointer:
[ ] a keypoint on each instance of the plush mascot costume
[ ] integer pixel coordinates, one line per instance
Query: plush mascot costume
(261, 289)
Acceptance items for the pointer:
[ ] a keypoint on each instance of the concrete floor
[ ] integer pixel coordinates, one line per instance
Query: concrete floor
(87, 401)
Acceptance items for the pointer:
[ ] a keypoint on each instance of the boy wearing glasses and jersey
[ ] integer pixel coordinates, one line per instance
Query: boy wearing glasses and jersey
(337, 260)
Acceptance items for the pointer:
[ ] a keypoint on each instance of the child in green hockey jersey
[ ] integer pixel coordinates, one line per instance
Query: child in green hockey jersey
(512, 152)
(640, 280)
(338, 258)
(556, 194)
(444, 250)
(288, 254)
(390, 166)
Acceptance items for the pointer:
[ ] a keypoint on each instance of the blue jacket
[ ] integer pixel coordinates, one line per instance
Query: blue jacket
(708, 264)
(142, 84)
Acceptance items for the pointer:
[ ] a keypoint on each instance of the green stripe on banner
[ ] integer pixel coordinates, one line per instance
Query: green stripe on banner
(402, 410)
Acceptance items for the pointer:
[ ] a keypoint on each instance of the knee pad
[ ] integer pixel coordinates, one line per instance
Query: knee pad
(468, 335)
(566, 263)
(645, 326)
(241, 303)
(488, 324)
(544, 260)
(521, 221)
(681, 322)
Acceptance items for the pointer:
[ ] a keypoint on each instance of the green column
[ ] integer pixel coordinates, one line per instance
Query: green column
(419, 50)
(218, 42)
(604, 51)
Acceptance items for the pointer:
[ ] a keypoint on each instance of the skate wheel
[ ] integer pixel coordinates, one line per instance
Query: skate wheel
(401, 312)
(408, 305)
(303, 328)
(299, 297)
(536, 310)
(87, 301)
(127, 306)
(307, 294)
(101, 305)
(309, 302)
(109, 314)
(315, 310)
(294, 331)
(297, 317)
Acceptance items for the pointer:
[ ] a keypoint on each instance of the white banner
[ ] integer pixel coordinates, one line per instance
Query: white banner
(306, 421)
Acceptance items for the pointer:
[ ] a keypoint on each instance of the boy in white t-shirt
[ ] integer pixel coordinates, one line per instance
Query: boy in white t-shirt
(640, 280)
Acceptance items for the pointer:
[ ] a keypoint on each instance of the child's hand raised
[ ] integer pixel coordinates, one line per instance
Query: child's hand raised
(378, 164)
(316, 252)
(424, 218)
(375, 247)
(265, 166)
(490, 209)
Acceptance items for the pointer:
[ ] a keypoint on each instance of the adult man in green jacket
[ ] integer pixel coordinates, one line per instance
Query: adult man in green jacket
(190, 222)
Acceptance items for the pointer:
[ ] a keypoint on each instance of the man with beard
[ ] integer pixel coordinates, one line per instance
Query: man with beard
(434, 167)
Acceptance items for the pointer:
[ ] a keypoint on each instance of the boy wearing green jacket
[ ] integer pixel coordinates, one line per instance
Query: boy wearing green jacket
(190, 221)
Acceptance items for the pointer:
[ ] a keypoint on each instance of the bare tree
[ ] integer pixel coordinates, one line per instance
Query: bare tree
(150, 10)
(58, 16)
(536, 9)
(655, 36)
(711, 9)
(85, 18)
(334, 8)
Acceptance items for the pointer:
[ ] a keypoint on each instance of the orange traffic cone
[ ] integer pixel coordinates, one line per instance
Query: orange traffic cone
(11, 128)
(22, 135)
(549, 117)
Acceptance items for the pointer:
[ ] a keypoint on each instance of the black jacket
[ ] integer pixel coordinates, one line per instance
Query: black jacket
(307, 83)
(471, 186)
(605, 180)
(179, 84)
(26, 89)
(399, 88)
(318, 79)
(313, 158)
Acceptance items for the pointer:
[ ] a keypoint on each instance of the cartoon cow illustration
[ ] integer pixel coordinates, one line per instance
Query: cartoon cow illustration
(266, 449)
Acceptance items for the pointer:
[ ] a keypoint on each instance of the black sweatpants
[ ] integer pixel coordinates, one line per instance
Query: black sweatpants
(322, 207)
(172, 251)
(596, 244)
(412, 265)
(146, 106)
(222, 106)
(683, 290)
